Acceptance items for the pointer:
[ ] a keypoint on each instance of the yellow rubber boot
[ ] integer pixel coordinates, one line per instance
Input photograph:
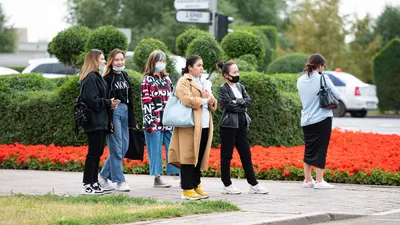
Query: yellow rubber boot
(200, 192)
(190, 195)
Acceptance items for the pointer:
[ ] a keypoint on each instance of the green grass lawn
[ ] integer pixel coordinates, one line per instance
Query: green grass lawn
(109, 209)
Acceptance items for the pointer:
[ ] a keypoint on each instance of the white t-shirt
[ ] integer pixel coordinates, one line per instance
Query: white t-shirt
(236, 91)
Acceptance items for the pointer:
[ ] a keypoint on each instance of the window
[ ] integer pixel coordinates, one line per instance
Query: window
(336, 81)
(43, 68)
(59, 68)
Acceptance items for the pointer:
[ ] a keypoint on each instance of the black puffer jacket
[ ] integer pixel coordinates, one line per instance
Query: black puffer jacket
(95, 95)
(232, 106)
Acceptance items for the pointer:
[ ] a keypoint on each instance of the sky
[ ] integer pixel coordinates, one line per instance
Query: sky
(45, 18)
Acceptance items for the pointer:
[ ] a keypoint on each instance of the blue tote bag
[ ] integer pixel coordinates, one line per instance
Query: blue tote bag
(176, 114)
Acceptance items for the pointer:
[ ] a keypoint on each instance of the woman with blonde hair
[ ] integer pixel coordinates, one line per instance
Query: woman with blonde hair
(156, 89)
(94, 93)
(123, 119)
(190, 147)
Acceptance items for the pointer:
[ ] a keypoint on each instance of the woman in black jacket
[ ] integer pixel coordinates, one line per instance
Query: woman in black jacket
(123, 118)
(234, 126)
(94, 93)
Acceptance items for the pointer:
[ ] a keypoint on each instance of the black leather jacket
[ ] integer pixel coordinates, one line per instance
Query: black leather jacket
(232, 106)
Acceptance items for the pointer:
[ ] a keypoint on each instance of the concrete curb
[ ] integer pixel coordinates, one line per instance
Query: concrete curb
(306, 219)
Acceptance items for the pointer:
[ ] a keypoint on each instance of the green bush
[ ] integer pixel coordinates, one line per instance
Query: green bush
(183, 40)
(46, 117)
(240, 43)
(209, 50)
(68, 44)
(275, 113)
(291, 63)
(386, 65)
(17, 68)
(107, 38)
(246, 63)
(269, 36)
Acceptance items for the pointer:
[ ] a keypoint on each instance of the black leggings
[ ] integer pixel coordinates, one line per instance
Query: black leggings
(231, 137)
(190, 174)
(96, 140)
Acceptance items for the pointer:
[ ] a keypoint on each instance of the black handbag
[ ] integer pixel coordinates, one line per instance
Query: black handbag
(326, 98)
(81, 113)
(136, 145)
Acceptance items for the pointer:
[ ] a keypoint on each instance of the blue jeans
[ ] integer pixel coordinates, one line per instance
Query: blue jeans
(154, 149)
(118, 144)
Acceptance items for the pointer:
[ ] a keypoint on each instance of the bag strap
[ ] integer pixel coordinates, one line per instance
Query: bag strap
(323, 78)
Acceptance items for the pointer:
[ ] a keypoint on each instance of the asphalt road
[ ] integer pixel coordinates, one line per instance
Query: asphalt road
(385, 219)
(375, 125)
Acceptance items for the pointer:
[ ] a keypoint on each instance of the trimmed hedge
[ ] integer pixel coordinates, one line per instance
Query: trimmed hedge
(209, 50)
(107, 38)
(386, 65)
(183, 40)
(247, 62)
(291, 63)
(275, 113)
(269, 36)
(46, 117)
(240, 43)
(69, 44)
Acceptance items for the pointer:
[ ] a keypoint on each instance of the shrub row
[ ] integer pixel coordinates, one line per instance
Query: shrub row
(45, 117)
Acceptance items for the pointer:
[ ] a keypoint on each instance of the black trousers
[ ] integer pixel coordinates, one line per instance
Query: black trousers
(191, 174)
(96, 140)
(231, 137)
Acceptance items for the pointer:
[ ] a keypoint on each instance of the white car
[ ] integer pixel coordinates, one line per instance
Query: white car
(7, 71)
(357, 97)
(50, 68)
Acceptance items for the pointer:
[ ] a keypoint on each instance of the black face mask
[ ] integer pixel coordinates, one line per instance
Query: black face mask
(320, 72)
(235, 79)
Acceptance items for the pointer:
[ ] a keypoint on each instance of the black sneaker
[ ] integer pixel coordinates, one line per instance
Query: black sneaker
(87, 189)
(97, 188)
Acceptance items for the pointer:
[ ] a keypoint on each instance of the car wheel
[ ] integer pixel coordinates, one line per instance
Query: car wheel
(359, 113)
(340, 111)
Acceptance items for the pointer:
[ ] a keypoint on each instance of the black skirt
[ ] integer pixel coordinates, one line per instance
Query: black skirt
(316, 139)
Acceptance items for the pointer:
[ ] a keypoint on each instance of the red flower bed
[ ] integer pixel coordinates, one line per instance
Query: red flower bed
(353, 157)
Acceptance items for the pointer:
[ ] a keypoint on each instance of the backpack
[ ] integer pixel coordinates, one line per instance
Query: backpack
(81, 113)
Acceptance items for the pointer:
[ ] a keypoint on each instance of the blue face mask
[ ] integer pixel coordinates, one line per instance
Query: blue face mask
(118, 69)
(101, 68)
(160, 67)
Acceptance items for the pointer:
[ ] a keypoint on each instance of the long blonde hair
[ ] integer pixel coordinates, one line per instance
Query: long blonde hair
(111, 58)
(154, 57)
(90, 64)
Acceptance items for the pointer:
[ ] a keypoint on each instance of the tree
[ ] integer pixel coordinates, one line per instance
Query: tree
(7, 34)
(68, 45)
(317, 27)
(107, 38)
(387, 24)
(363, 48)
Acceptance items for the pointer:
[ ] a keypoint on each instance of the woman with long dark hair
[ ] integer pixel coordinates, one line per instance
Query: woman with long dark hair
(315, 121)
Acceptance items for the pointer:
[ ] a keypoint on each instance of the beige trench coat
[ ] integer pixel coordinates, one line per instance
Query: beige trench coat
(185, 142)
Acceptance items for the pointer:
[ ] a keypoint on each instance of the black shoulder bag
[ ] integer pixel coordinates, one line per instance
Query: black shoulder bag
(81, 113)
(326, 98)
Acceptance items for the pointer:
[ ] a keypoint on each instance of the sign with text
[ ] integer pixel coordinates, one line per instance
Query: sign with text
(189, 16)
(192, 4)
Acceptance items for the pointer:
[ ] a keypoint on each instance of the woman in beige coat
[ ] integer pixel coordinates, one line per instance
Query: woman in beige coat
(190, 147)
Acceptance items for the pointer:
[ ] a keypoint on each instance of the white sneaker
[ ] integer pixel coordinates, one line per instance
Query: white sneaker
(97, 188)
(87, 189)
(231, 190)
(258, 189)
(323, 185)
(123, 187)
(106, 185)
(308, 184)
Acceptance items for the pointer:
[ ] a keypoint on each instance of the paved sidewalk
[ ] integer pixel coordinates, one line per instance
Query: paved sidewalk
(287, 200)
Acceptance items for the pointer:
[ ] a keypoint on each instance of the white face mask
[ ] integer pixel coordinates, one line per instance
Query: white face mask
(160, 67)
